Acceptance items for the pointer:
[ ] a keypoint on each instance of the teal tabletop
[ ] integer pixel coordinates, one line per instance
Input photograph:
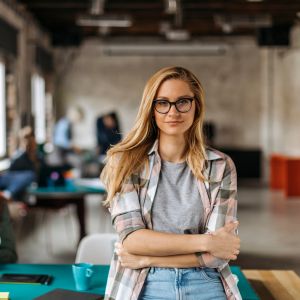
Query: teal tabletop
(244, 286)
(68, 189)
(62, 278)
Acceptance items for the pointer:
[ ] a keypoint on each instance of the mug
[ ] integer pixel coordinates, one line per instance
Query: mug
(82, 273)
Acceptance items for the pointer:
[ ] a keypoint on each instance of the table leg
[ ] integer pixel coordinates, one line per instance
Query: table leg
(80, 211)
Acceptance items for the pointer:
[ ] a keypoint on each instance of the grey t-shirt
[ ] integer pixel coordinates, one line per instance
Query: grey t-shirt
(177, 206)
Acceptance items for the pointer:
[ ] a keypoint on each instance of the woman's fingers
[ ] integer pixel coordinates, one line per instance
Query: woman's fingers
(230, 227)
(118, 245)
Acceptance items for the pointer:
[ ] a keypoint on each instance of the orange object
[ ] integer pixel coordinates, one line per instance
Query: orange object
(277, 171)
(292, 177)
(68, 174)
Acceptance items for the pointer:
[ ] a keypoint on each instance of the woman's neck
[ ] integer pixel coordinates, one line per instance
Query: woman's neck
(171, 148)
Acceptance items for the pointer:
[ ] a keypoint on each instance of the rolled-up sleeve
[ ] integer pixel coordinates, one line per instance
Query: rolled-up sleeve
(126, 211)
(223, 212)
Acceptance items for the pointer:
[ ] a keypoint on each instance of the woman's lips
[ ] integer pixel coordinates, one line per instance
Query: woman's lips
(174, 123)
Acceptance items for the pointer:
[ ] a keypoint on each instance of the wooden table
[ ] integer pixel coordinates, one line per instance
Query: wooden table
(275, 284)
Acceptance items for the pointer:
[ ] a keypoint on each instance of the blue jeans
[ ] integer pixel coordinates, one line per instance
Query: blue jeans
(183, 284)
(16, 182)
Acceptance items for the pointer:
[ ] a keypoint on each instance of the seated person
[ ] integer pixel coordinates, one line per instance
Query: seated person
(7, 242)
(108, 133)
(23, 169)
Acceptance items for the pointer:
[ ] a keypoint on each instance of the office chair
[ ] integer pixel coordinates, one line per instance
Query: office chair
(96, 248)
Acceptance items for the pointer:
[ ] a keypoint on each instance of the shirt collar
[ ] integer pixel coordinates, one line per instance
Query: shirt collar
(154, 148)
(211, 154)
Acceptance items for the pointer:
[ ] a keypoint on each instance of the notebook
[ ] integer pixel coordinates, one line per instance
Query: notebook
(62, 294)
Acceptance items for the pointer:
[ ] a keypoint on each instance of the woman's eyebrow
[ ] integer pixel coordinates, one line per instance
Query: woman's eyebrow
(166, 98)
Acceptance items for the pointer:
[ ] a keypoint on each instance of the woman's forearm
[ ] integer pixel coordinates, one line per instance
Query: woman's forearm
(174, 261)
(153, 243)
(185, 261)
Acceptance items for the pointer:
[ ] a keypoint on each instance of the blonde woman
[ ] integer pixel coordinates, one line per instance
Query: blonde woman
(172, 200)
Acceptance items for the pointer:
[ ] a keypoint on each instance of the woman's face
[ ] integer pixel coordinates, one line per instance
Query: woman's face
(174, 123)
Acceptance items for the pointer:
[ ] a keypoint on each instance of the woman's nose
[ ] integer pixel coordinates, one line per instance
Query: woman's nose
(173, 110)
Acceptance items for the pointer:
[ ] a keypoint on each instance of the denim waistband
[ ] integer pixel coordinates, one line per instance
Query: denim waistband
(180, 270)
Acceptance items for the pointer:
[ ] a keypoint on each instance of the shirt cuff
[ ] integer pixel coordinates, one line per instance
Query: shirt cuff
(127, 223)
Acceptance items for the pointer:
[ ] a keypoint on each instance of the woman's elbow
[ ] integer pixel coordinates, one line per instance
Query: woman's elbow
(132, 241)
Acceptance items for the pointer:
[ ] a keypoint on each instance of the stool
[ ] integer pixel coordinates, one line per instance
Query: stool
(277, 171)
(292, 177)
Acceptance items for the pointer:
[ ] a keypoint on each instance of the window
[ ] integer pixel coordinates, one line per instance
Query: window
(2, 111)
(39, 107)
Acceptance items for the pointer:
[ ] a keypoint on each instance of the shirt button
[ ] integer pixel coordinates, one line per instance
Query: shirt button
(228, 291)
(207, 209)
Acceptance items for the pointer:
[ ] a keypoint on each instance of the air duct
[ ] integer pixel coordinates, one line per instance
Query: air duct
(170, 49)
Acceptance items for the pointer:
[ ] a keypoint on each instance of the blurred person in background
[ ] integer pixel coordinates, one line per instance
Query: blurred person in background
(67, 151)
(23, 167)
(108, 133)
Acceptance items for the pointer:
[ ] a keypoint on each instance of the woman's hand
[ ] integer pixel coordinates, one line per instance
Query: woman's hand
(224, 243)
(130, 261)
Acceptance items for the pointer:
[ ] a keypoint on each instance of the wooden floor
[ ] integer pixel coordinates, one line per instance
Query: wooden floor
(275, 284)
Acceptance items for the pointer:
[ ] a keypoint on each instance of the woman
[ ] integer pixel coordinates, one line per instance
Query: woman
(172, 201)
(7, 241)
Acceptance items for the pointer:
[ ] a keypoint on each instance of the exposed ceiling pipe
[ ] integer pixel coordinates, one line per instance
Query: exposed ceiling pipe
(97, 7)
(171, 6)
(178, 14)
(175, 32)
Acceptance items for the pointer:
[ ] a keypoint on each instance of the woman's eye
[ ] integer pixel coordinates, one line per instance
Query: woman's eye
(162, 103)
(183, 101)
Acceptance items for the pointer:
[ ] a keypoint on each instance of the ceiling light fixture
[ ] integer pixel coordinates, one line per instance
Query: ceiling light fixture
(104, 21)
(97, 18)
(177, 35)
(243, 21)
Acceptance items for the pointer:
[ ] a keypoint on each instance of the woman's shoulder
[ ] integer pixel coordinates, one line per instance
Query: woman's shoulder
(215, 155)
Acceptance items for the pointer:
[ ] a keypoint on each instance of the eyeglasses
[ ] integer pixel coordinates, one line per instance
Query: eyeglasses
(182, 105)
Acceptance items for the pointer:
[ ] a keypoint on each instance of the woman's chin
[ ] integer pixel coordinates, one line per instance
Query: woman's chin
(172, 132)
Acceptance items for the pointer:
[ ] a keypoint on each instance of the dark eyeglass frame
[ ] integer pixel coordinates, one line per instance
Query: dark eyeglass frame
(175, 103)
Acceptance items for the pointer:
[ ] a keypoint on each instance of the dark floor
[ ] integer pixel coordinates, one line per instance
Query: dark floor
(269, 230)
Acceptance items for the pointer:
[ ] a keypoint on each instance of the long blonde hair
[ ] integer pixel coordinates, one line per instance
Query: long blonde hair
(130, 155)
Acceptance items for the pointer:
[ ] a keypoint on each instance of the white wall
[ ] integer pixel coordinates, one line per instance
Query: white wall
(283, 109)
(102, 83)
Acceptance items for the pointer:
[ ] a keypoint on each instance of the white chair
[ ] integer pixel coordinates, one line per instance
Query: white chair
(96, 248)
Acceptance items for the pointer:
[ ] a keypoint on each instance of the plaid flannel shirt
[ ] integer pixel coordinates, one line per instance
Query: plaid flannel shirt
(131, 211)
